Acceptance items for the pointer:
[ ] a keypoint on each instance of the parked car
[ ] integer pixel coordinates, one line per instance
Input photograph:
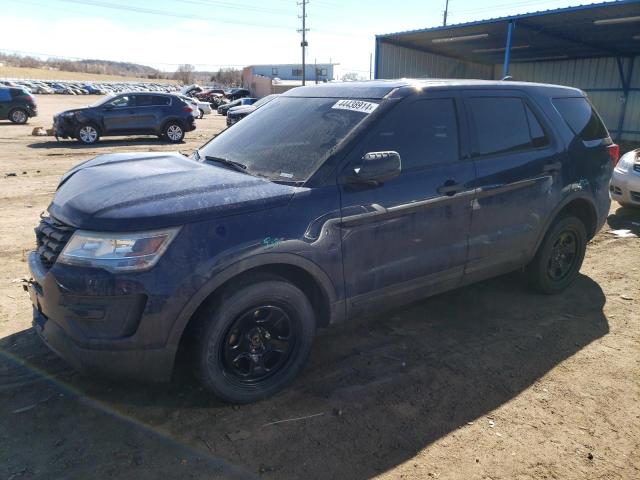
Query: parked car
(17, 105)
(235, 114)
(161, 114)
(236, 93)
(625, 183)
(200, 108)
(224, 108)
(330, 201)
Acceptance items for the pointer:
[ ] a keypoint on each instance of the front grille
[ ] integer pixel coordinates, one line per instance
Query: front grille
(636, 167)
(51, 237)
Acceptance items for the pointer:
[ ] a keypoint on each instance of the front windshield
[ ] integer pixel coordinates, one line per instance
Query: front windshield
(289, 137)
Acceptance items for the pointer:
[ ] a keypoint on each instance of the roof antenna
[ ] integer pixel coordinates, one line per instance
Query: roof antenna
(507, 78)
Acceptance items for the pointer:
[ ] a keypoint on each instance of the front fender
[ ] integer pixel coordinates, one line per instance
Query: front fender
(245, 265)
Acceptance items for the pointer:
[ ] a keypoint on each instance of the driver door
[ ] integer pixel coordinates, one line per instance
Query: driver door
(408, 237)
(118, 115)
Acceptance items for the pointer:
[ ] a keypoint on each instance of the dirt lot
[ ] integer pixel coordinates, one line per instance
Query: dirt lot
(487, 382)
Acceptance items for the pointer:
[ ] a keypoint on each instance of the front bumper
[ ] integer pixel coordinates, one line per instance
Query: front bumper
(95, 333)
(625, 187)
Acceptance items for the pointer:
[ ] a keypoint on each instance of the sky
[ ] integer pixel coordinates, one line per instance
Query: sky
(211, 34)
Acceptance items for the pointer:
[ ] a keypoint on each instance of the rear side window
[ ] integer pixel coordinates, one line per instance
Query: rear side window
(144, 100)
(161, 101)
(424, 132)
(501, 124)
(581, 118)
(538, 136)
(18, 92)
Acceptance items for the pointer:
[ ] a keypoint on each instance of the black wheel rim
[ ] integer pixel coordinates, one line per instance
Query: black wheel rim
(564, 254)
(258, 345)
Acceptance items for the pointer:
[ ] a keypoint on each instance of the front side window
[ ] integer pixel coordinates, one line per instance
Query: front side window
(501, 124)
(423, 132)
(120, 101)
(581, 118)
(288, 138)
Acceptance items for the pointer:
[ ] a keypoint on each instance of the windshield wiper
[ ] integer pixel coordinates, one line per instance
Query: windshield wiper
(240, 167)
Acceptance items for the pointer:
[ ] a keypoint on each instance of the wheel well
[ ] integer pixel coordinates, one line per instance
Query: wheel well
(296, 275)
(585, 212)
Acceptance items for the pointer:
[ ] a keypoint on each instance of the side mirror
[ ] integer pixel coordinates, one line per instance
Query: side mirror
(377, 167)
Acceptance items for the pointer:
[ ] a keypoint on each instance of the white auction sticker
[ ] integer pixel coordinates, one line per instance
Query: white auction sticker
(356, 106)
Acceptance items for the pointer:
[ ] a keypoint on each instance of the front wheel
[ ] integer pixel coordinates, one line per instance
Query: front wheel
(173, 132)
(18, 116)
(559, 257)
(254, 340)
(87, 134)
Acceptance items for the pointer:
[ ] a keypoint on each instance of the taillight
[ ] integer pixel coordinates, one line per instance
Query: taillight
(614, 153)
(187, 108)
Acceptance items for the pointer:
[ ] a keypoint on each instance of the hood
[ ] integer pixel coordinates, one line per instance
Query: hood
(131, 191)
(241, 110)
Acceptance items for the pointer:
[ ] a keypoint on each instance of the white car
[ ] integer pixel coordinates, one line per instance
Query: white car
(625, 182)
(200, 109)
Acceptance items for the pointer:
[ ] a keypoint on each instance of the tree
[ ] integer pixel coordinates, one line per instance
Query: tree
(352, 77)
(227, 76)
(184, 73)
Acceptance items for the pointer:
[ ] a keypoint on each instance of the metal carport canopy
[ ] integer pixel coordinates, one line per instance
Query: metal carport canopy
(610, 29)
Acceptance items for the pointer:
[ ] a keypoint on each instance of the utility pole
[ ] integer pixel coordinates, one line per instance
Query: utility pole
(370, 65)
(446, 11)
(304, 43)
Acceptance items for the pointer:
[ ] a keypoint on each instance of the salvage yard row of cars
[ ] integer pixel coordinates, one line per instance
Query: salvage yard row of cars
(136, 111)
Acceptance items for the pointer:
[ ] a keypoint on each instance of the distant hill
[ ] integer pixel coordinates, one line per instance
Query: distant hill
(100, 67)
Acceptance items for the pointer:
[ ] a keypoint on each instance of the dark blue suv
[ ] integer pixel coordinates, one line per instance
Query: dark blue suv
(136, 113)
(330, 201)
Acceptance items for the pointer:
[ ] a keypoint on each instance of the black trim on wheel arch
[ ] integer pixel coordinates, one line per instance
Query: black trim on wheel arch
(556, 211)
(337, 307)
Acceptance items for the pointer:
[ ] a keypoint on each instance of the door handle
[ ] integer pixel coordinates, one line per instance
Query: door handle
(552, 167)
(450, 188)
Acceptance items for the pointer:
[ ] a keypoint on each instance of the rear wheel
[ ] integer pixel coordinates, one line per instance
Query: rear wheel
(19, 116)
(254, 340)
(87, 134)
(559, 257)
(173, 132)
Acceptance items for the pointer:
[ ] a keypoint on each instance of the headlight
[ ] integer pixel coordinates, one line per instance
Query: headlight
(117, 251)
(626, 162)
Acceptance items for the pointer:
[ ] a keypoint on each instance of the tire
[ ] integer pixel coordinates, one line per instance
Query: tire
(87, 134)
(559, 257)
(238, 332)
(18, 116)
(201, 113)
(173, 132)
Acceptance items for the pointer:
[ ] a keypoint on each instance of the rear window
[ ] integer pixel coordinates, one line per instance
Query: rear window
(581, 118)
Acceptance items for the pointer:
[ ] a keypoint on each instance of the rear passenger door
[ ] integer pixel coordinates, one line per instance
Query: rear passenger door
(519, 179)
(148, 110)
(407, 237)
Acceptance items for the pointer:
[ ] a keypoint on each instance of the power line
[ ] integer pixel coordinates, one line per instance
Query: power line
(304, 43)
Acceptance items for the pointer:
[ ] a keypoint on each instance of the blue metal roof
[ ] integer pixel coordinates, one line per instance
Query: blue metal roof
(573, 32)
